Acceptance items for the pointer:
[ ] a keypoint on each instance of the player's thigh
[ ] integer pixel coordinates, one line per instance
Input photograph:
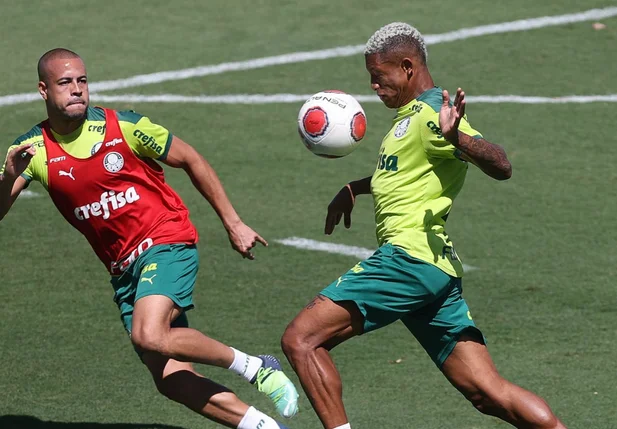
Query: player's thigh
(165, 270)
(471, 370)
(439, 325)
(387, 286)
(322, 323)
(168, 270)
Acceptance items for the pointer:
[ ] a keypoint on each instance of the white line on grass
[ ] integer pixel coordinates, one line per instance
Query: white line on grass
(340, 249)
(28, 194)
(341, 51)
(296, 98)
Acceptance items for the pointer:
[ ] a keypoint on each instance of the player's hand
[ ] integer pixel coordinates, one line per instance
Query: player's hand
(450, 116)
(243, 239)
(17, 161)
(340, 207)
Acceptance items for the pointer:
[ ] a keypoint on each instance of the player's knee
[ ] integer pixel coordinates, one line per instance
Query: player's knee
(488, 398)
(484, 402)
(293, 343)
(168, 389)
(149, 340)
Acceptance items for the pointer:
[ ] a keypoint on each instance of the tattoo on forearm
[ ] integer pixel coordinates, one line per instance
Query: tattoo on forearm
(315, 301)
(489, 157)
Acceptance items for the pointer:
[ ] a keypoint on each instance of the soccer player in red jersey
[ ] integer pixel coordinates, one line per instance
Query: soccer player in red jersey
(99, 168)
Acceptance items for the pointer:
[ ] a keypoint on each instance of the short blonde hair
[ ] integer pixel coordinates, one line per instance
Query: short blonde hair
(394, 35)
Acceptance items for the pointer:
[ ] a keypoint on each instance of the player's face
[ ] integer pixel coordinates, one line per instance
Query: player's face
(388, 79)
(65, 90)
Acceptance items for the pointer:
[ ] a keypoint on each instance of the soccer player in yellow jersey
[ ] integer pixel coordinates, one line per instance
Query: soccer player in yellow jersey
(415, 275)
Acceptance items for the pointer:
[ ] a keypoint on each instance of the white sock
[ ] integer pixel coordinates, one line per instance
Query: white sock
(245, 365)
(255, 419)
(345, 426)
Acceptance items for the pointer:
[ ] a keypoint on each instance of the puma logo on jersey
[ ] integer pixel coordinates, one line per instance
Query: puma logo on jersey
(109, 202)
(64, 173)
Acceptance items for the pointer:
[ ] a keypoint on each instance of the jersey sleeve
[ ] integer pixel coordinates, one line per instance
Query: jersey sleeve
(145, 138)
(435, 145)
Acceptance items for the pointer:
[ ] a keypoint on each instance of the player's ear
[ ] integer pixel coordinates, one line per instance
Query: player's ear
(407, 66)
(43, 89)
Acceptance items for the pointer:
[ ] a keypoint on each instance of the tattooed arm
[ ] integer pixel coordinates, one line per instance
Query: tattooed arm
(487, 156)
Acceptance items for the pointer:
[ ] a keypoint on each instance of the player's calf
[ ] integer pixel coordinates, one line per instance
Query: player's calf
(471, 370)
(514, 405)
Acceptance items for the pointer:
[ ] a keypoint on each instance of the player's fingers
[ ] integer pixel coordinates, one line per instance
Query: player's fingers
(338, 218)
(260, 239)
(461, 111)
(330, 218)
(347, 220)
(457, 97)
(446, 98)
(23, 151)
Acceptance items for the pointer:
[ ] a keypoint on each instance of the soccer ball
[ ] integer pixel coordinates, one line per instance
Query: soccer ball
(331, 124)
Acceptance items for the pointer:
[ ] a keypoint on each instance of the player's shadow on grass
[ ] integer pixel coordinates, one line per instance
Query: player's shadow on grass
(29, 422)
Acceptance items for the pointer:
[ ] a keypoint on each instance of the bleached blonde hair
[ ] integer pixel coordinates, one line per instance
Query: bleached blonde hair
(395, 35)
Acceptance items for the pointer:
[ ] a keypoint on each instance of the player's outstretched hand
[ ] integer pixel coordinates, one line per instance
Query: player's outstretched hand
(450, 116)
(243, 239)
(340, 207)
(17, 160)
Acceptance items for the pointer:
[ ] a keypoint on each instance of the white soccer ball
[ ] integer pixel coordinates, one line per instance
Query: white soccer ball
(331, 124)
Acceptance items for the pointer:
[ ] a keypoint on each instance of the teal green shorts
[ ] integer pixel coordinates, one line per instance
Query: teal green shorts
(169, 270)
(390, 285)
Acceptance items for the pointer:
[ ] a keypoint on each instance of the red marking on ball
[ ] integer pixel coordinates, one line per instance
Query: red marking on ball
(336, 91)
(358, 126)
(315, 121)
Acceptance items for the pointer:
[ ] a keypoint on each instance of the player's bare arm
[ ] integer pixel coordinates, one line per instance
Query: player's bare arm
(11, 183)
(204, 178)
(487, 156)
(343, 202)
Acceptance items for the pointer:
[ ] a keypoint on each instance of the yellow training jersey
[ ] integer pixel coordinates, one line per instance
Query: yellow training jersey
(418, 175)
(145, 138)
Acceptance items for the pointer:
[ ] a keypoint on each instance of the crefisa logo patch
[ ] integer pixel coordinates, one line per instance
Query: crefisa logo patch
(401, 128)
(113, 162)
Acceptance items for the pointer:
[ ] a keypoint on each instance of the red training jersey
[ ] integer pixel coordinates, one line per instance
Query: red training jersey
(117, 200)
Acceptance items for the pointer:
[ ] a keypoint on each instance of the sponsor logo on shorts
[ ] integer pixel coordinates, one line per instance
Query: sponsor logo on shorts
(150, 267)
(356, 269)
(148, 279)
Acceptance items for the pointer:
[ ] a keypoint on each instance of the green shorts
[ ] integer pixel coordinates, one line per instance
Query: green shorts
(169, 270)
(390, 285)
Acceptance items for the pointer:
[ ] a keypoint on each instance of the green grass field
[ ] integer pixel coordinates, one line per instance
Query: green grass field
(543, 242)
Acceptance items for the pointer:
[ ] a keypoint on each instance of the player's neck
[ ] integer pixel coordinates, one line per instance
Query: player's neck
(62, 126)
(421, 82)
